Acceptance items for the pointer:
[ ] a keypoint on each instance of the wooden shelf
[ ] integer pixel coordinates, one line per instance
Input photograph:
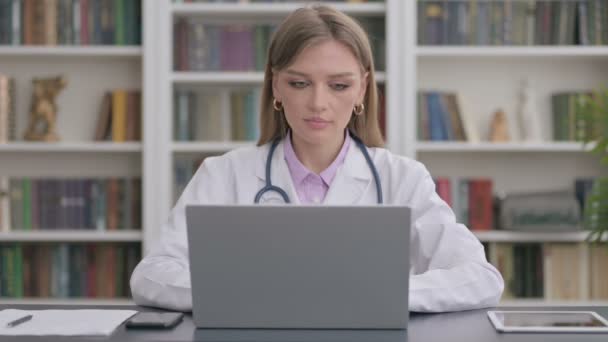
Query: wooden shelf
(268, 10)
(190, 147)
(515, 236)
(127, 147)
(546, 302)
(67, 301)
(512, 51)
(230, 77)
(68, 235)
(71, 51)
(455, 146)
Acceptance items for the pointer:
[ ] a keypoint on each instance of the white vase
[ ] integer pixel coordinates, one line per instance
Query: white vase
(529, 120)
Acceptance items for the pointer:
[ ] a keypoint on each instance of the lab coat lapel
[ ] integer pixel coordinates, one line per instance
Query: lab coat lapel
(279, 175)
(352, 180)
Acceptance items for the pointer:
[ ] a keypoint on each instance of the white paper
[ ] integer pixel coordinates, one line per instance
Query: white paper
(63, 322)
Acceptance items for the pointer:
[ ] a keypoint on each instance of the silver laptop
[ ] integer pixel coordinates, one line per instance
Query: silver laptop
(299, 266)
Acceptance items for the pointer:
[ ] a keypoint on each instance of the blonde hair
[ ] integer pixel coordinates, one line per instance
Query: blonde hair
(305, 27)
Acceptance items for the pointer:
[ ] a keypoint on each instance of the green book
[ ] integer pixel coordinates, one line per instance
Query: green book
(18, 268)
(560, 116)
(120, 271)
(130, 21)
(119, 22)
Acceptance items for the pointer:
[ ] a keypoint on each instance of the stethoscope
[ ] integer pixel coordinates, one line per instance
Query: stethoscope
(269, 187)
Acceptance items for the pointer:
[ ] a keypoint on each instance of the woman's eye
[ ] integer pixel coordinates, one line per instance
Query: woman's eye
(339, 86)
(298, 84)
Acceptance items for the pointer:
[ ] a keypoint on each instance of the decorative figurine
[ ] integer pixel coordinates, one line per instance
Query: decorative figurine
(43, 112)
(499, 129)
(529, 124)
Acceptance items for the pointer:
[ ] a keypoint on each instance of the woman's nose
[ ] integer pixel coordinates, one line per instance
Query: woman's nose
(319, 98)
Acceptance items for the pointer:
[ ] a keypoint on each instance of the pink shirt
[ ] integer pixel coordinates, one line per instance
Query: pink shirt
(312, 188)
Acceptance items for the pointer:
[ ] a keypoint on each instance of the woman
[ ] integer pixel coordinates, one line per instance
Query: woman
(318, 111)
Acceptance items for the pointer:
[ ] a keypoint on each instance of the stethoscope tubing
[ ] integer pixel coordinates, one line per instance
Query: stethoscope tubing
(270, 188)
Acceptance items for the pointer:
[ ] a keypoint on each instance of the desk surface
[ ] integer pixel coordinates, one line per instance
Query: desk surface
(467, 326)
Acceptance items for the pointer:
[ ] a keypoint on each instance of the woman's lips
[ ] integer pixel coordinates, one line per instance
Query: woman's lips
(317, 123)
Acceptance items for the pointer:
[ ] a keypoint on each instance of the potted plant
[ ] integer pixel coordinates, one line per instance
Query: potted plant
(592, 129)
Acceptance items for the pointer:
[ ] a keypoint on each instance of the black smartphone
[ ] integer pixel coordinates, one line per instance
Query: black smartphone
(154, 320)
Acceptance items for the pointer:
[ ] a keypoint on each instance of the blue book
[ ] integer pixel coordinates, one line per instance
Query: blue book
(437, 131)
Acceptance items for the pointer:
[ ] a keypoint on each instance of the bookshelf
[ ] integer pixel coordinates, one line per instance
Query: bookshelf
(263, 10)
(513, 51)
(92, 147)
(230, 77)
(491, 74)
(91, 68)
(513, 236)
(71, 236)
(522, 147)
(487, 77)
(72, 51)
(170, 151)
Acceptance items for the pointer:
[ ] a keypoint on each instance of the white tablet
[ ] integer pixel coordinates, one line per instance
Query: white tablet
(548, 321)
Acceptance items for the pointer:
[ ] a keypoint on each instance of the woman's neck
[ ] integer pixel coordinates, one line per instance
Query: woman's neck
(316, 157)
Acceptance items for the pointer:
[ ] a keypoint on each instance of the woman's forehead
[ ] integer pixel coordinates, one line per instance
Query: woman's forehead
(328, 58)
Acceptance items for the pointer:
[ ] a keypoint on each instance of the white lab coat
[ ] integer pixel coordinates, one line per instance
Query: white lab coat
(448, 268)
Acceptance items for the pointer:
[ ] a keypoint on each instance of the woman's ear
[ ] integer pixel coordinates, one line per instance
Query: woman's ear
(364, 81)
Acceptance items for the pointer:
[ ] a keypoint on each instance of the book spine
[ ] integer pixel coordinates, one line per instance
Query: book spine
(76, 22)
(5, 204)
(119, 115)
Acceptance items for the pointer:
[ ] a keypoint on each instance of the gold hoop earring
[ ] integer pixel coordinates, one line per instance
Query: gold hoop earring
(359, 109)
(277, 105)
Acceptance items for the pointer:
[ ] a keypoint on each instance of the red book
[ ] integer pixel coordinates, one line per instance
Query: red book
(444, 190)
(480, 204)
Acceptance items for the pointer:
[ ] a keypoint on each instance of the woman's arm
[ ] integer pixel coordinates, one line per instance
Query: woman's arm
(162, 278)
(449, 271)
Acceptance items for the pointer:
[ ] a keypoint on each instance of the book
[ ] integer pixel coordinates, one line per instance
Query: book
(526, 22)
(119, 116)
(62, 270)
(8, 113)
(5, 211)
(102, 130)
(565, 276)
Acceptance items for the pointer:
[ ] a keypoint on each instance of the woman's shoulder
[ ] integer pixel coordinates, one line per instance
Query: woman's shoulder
(239, 157)
(385, 158)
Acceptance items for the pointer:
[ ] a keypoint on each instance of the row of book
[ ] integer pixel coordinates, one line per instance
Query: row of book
(470, 199)
(568, 123)
(441, 118)
(553, 271)
(200, 46)
(119, 117)
(474, 204)
(226, 114)
(87, 204)
(8, 120)
(535, 22)
(67, 270)
(70, 22)
(231, 114)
